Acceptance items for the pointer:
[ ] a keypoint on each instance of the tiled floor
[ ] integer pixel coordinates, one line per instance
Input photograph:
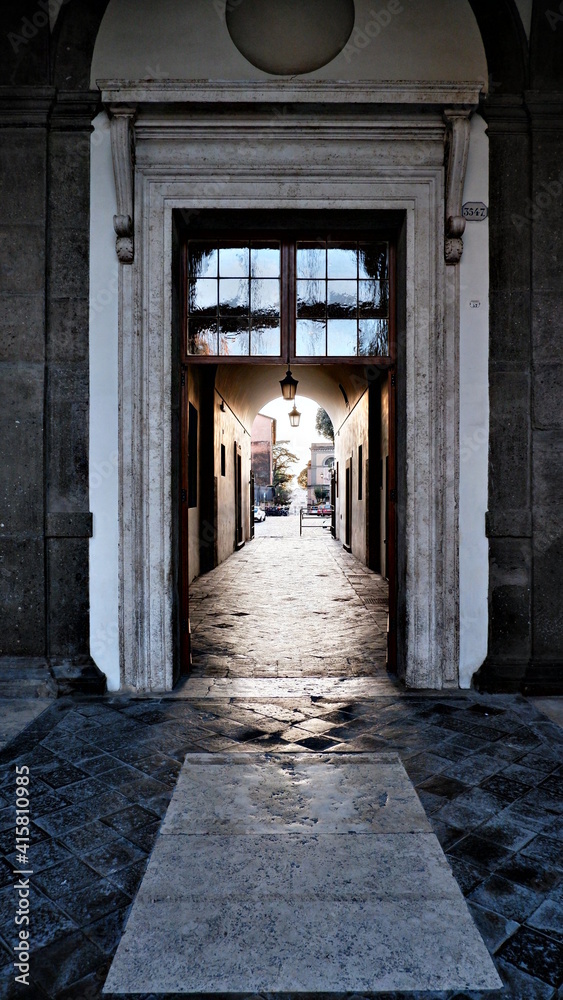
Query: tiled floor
(289, 606)
(487, 770)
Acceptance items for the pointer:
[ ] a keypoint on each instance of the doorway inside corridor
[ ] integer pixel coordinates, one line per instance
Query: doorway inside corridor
(312, 299)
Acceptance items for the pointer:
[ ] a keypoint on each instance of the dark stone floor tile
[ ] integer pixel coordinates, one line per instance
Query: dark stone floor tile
(544, 848)
(92, 833)
(45, 854)
(111, 801)
(62, 821)
(130, 878)
(532, 811)
(506, 831)
(443, 786)
(10, 990)
(99, 764)
(318, 743)
(144, 836)
(7, 837)
(467, 875)
(47, 801)
(519, 986)
(548, 917)
(107, 932)
(484, 853)
(66, 961)
(523, 774)
(527, 872)
(94, 902)
(535, 954)
(59, 773)
(494, 928)
(470, 809)
(545, 761)
(554, 828)
(79, 791)
(505, 788)
(112, 856)
(65, 878)
(130, 819)
(510, 899)
(48, 922)
(553, 787)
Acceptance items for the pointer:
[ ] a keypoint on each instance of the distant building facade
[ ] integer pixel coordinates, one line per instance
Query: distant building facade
(262, 441)
(318, 472)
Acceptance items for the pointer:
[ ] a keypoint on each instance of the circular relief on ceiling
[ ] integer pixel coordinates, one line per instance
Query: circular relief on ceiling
(290, 36)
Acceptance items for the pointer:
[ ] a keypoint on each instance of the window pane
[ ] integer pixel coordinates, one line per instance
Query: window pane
(311, 260)
(311, 301)
(233, 297)
(342, 337)
(233, 338)
(374, 298)
(202, 260)
(265, 261)
(342, 299)
(374, 337)
(265, 340)
(234, 262)
(372, 261)
(202, 336)
(265, 297)
(310, 338)
(203, 296)
(342, 262)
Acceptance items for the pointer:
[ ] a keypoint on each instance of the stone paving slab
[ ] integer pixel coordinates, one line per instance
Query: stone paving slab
(293, 687)
(352, 902)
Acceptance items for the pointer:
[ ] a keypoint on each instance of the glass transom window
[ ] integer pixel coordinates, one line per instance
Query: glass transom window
(234, 299)
(300, 298)
(342, 300)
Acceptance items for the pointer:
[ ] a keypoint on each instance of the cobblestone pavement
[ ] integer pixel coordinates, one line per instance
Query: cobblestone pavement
(487, 769)
(289, 606)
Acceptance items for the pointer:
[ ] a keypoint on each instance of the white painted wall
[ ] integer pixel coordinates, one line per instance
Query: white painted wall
(474, 415)
(104, 641)
(391, 40)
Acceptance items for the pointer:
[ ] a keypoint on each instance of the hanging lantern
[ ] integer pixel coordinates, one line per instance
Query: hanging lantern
(294, 416)
(288, 386)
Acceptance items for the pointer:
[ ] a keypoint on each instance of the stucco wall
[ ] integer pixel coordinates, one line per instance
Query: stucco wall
(229, 431)
(408, 40)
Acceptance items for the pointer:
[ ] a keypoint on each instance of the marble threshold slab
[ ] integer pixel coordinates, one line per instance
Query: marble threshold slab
(298, 873)
(270, 688)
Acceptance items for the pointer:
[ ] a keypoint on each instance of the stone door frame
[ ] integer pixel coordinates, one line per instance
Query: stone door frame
(376, 147)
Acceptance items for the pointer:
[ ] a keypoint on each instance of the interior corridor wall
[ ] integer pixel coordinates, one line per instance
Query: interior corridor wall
(348, 439)
(229, 433)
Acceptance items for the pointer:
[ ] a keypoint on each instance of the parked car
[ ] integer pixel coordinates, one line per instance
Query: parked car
(325, 509)
(259, 514)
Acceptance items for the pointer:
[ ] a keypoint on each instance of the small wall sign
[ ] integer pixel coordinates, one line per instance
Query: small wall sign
(475, 211)
(474, 304)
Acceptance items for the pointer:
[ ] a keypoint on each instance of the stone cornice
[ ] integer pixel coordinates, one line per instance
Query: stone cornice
(74, 110)
(25, 107)
(376, 92)
(505, 113)
(546, 110)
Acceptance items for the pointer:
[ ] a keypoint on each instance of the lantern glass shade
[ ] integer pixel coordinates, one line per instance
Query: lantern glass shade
(294, 416)
(288, 386)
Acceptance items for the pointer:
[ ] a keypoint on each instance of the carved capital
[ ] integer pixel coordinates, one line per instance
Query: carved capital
(123, 155)
(457, 148)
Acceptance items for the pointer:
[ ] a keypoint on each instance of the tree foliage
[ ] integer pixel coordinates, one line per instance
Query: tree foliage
(323, 424)
(282, 460)
(302, 479)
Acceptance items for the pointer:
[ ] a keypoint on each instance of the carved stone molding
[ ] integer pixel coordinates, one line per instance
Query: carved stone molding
(457, 148)
(123, 155)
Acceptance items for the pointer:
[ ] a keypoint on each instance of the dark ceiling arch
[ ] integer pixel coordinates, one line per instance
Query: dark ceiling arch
(546, 46)
(499, 22)
(506, 45)
(74, 39)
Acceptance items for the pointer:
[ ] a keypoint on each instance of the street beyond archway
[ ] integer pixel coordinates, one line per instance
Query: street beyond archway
(289, 606)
